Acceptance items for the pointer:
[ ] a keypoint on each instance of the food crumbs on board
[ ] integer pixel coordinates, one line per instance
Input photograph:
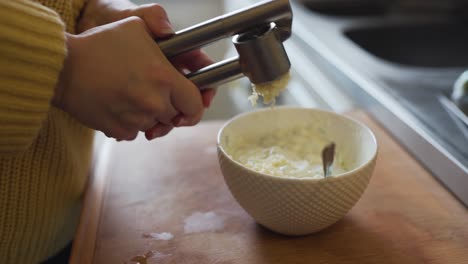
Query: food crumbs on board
(148, 256)
(142, 259)
(203, 222)
(159, 236)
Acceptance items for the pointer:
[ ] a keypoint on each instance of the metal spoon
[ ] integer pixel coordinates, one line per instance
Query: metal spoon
(328, 155)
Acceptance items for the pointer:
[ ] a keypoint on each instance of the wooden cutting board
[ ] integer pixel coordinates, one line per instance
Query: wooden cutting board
(165, 201)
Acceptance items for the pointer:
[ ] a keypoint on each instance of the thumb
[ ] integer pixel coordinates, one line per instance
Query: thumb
(156, 20)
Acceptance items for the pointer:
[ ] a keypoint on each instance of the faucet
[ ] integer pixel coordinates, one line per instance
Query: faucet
(460, 92)
(257, 33)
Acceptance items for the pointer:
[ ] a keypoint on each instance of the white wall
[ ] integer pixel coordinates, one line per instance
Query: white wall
(187, 13)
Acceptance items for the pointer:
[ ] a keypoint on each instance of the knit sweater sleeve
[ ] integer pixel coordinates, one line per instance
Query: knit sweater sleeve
(32, 51)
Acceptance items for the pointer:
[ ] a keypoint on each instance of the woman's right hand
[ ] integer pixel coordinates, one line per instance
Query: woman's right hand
(116, 80)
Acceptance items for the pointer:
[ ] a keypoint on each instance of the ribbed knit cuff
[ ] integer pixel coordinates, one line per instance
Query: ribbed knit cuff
(32, 51)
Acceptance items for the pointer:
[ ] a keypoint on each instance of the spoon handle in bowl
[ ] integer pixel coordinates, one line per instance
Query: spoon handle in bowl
(328, 155)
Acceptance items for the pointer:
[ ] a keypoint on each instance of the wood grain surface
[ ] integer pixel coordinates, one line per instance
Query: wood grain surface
(405, 216)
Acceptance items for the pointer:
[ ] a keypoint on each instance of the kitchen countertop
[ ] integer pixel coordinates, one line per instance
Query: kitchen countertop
(165, 201)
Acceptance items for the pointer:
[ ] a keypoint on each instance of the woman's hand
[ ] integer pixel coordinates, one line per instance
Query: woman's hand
(117, 80)
(101, 12)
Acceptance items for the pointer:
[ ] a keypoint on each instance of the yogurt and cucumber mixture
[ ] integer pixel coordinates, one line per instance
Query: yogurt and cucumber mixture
(292, 153)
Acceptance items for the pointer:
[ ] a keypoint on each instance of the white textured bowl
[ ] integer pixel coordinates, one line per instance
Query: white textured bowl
(294, 206)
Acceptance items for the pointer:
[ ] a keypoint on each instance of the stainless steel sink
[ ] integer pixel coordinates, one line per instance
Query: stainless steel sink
(399, 60)
(361, 8)
(421, 45)
(356, 8)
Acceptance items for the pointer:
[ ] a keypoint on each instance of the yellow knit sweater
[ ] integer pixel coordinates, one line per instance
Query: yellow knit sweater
(44, 152)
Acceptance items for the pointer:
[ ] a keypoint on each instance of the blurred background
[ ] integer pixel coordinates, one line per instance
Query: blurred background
(231, 98)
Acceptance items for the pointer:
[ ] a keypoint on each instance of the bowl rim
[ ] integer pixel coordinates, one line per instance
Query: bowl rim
(346, 174)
